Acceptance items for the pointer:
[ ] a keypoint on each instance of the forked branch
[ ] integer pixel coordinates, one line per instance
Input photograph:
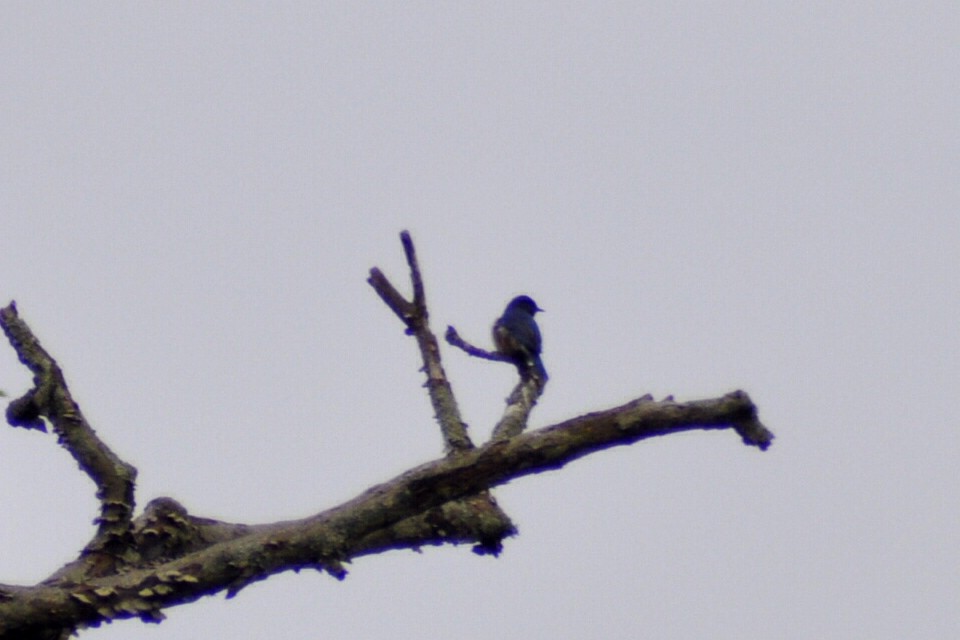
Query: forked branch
(414, 315)
(136, 567)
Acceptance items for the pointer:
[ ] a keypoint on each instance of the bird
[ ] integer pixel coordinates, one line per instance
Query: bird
(517, 337)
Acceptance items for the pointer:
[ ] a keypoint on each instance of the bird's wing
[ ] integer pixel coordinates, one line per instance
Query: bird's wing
(525, 331)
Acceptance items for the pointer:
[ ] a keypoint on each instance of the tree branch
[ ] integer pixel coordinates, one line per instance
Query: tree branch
(453, 339)
(229, 556)
(50, 398)
(135, 567)
(414, 315)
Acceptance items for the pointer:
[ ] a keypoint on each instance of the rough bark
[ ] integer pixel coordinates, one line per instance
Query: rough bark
(138, 566)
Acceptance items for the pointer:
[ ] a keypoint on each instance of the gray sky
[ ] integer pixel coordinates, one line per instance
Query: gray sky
(704, 197)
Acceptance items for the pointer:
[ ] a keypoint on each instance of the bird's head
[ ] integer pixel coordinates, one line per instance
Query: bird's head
(524, 303)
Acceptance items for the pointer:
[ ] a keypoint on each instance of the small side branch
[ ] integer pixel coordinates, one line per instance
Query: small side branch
(50, 398)
(414, 315)
(453, 339)
(520, 402)
(519, 405)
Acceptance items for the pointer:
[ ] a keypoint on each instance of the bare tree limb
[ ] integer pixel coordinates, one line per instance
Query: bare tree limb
(231, 556)
(453, 338)
(50, 398)
(136, 567)
(520, 403)
(415, 316)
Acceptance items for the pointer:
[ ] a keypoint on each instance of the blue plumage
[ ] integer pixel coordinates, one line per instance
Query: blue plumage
(517, 336)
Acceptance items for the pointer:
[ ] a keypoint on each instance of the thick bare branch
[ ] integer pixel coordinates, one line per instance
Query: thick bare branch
(405, 512)
(137, 567)
(50, 398)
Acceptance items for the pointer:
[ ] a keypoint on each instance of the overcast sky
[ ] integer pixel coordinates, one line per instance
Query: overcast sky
(703, 196)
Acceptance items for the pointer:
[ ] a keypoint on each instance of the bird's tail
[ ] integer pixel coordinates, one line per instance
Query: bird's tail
(535, 367)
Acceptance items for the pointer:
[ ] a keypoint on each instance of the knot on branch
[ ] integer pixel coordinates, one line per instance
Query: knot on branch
(166, 531)
(25, 412)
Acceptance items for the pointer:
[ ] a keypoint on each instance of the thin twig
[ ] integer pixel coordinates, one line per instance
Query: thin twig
(453, 339)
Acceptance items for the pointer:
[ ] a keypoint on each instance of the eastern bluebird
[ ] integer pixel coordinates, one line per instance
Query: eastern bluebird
(517, 336)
